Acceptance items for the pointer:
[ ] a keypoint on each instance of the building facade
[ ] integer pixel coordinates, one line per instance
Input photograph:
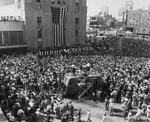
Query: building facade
(49, 23)
(129, 5)
(139, 21)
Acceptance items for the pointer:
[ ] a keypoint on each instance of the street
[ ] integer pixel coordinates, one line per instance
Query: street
(97, 111)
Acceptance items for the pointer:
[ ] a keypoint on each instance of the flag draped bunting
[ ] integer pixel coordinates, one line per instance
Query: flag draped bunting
(59, 15)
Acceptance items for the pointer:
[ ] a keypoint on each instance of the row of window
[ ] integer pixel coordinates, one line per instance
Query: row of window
(6, 2)
(11, 37)
(58, 2)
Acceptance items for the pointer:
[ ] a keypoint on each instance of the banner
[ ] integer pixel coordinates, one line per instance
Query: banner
(59, 15)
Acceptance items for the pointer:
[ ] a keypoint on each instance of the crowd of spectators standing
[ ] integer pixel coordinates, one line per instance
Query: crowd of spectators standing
(28, 82)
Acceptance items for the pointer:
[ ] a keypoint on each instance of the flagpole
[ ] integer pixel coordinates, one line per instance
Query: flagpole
(2, 38)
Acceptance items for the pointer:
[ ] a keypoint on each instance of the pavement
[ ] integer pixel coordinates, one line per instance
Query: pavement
(2, 117)
(97, 111)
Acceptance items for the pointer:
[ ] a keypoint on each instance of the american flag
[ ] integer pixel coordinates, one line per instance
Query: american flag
(59, 15)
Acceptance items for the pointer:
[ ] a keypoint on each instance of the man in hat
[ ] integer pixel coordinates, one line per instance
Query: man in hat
(104, 117)
(78, 114)
(148, 112)
(71, 110)
(111, 103)
(52, 103)
(88, 115)
(129, 117)
(57, 109)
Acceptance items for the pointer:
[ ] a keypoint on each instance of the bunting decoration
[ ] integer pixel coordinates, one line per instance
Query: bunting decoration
(77, 9)
(38, 6)
(76, 30)
(59, 15)
(39, 30)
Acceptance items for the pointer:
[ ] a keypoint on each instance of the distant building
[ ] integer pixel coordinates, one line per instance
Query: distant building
(139, 21)
(88, 22)
(149, 7)
(121, 11)
(105, 9)
(95, 21)
(129, 5)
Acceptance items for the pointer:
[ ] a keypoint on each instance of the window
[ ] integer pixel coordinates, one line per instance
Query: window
(39, 35)
(73, 81)
(77, 2)
(53, 1)
(76, 31)
(38, 0)
(94, 18)
(77, 20)
(91, 79)
(39, 20)
(39, 27)
(58, 2)
(63, 2)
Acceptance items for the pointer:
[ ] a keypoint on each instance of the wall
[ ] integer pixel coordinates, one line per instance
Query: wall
(139, 20)
(11, 10)
(11, 26)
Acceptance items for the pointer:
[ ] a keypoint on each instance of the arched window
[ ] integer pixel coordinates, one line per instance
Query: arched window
(64, 2)
(53, 1)
(58, 2)
(77, 3)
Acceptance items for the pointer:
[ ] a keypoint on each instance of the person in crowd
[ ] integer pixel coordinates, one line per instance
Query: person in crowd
(104, 117)
(88, 116)
(78, 115)
(130, 117)
(111, 104)
(139, 113)
(71, 111)
(57, 109)
(107, 103)
(148, 112)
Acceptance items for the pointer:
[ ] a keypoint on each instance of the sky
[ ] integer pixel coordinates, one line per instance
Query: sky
(94, 6)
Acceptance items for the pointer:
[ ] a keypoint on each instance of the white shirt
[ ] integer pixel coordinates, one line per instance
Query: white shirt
(103, 119)
(111, 105)
(148, 109)
(88, 115)
(139, 112)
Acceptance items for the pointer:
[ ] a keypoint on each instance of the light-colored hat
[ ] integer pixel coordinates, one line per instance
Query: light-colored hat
(12, 118)
(20, 111)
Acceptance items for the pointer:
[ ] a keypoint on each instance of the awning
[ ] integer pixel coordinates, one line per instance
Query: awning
(13, 46)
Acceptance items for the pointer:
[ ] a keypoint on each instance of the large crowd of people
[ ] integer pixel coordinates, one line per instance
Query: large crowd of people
(28, 83)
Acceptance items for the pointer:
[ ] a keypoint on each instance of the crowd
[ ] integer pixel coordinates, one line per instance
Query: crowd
(28, 84)
(28, 87)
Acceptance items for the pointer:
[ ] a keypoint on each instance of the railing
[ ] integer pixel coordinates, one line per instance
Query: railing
(80, 49)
